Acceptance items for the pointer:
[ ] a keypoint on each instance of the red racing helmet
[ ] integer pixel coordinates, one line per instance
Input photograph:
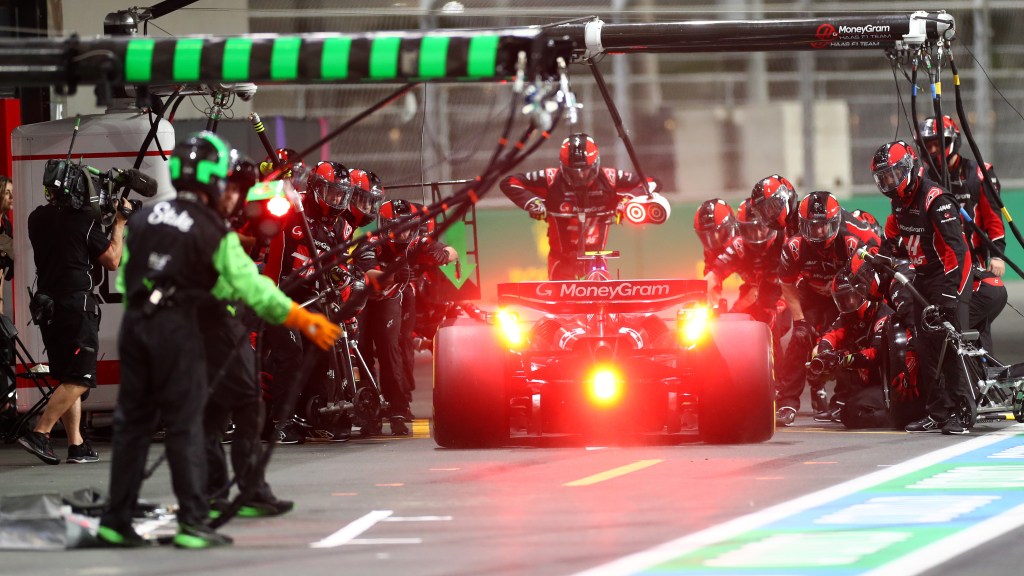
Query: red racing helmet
(930, 138)
(820, 217)
(330, 185)
(896, 170)
(580, 160)
(367, 197)
(714, 223)
(753, 228)
(774, 198)
(390, 213)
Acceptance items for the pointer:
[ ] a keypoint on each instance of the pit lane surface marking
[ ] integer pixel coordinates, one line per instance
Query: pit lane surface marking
(902, 520)
(350, 533)
(353, 530)
(613, 473)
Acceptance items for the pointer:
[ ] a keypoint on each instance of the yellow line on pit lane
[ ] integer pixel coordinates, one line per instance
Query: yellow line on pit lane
(613, 473)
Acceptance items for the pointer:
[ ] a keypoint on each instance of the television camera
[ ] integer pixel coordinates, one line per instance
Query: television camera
(81, 187)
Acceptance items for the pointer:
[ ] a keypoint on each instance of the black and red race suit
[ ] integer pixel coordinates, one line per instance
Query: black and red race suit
(965, 183)
(290, 251)
(928, 230)
(811, 271)
(382, 323)
(987, 301)
(862, 339)
(605, 193)
(760, 294)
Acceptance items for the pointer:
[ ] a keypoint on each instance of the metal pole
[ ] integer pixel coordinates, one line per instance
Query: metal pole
(805, 64)
(982, 93)
(620, 72)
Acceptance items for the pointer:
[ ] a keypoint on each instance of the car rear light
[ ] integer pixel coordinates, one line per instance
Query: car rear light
(604, 386)
(510, 328)
(692, 325)
(278, 206)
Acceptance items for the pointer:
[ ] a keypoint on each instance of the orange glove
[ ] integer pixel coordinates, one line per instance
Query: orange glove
(316, 327)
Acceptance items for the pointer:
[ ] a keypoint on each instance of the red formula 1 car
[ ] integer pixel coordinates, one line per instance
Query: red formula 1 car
(600, 361)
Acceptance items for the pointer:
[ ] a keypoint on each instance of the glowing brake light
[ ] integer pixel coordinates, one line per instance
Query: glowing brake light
(692, 325)
(510, 328)
(267, 204)
(604, 386)
(278, 206)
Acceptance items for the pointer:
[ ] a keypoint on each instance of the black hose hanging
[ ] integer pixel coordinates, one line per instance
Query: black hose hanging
(913, 118)
(986, 182)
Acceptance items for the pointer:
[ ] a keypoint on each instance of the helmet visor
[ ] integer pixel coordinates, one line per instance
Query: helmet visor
(757, 232)
(335, 194)
(819, 230)
(847, 298)
(889, 178)
(717, 238)
(367, 202)
(404, 237)
(581, 175)
(772, 207)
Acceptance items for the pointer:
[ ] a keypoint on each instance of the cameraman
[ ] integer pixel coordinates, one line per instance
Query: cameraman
(8, 411)
(67, 243)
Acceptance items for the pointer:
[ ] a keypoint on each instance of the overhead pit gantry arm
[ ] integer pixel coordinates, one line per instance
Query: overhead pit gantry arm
(430, 56)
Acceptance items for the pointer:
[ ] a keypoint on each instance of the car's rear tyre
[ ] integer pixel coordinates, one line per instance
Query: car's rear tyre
(471, 403)
(736, 404)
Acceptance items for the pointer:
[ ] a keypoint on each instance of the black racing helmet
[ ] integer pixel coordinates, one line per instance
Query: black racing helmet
(244, 174)
(201, 163)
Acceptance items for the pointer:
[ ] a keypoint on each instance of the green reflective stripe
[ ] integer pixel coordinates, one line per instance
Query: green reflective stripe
(174, 166)
(483, 56)
(433, 56)
(138, 60)
(265, 191)
(205, 169)
(284, 59)
(334, 59)
(236, 59)
(384, 57)
(187, 52)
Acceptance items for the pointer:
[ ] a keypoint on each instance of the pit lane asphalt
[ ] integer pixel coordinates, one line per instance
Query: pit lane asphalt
(505, 511)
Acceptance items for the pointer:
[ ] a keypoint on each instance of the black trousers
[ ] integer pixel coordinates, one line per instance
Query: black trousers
(986, 304)
(408, 350)
(283, 363)
(236, 395)
(820, 311)
(944, 386)
(163, 378)
(380, 336)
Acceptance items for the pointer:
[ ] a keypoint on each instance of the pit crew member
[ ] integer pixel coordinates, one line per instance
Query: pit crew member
(829, 236)
(395, 256)
(925, 227)
(579, 182)
(179, 255)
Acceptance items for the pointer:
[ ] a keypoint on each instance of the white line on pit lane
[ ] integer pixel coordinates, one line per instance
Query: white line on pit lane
(687, 544)
(353, 530)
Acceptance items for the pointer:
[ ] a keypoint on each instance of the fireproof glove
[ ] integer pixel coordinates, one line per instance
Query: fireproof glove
(537, 209)
(315, 327)
(403, 274)
(803, 332)
(438, 254)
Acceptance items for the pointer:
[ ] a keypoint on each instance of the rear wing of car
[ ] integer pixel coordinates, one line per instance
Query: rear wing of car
(612, 297)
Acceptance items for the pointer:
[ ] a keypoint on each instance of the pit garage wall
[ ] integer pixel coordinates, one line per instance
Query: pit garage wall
(514, 248)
